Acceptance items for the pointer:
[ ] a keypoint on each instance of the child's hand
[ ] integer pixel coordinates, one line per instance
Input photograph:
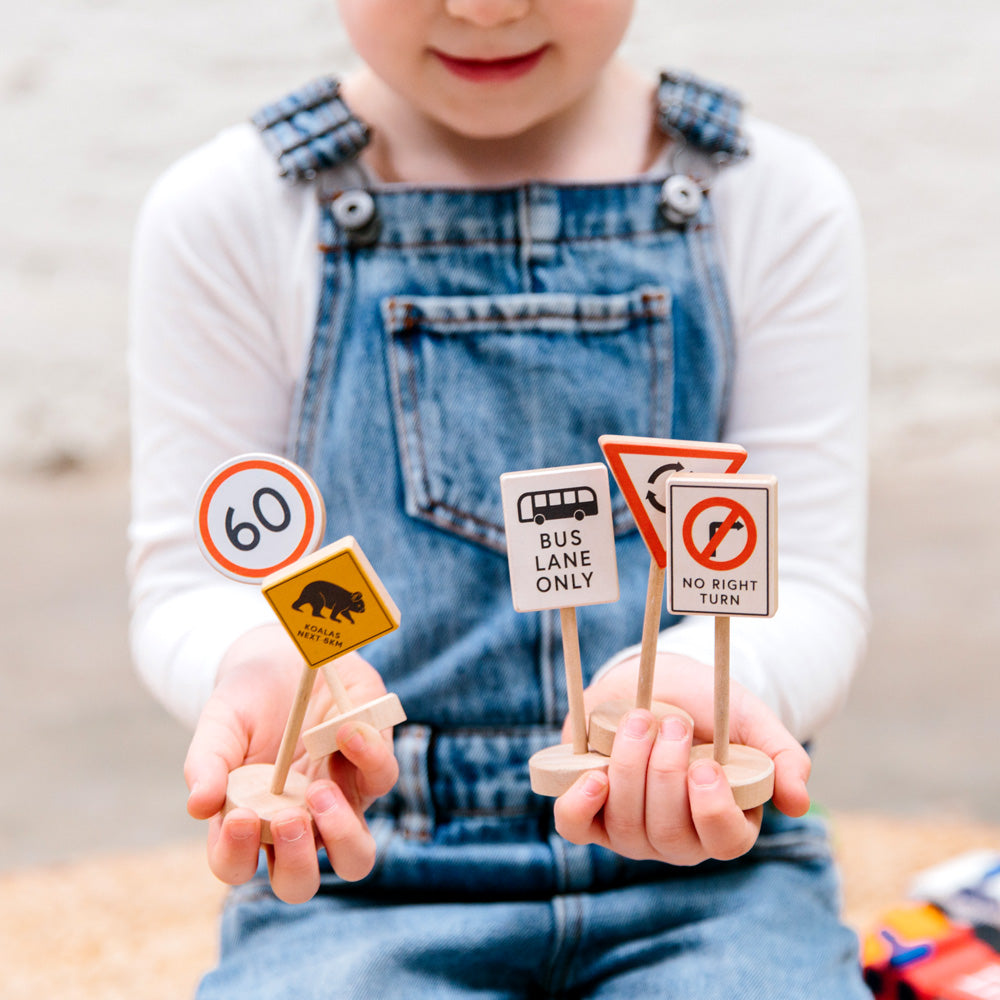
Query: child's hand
(652, 804)
(243, 723)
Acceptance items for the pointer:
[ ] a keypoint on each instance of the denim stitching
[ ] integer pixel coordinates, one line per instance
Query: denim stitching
(592, 325)
(414, 410)
(499, 242)
(308, 396)
(714, 296)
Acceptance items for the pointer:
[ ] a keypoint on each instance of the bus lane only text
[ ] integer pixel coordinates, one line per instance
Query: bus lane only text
(562, 563)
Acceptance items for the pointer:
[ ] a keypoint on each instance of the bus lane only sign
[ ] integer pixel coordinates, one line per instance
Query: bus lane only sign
(560, 537)
(722, 536)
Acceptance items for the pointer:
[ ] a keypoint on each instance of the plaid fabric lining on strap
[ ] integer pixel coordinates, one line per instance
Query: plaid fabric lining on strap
(311, 130)
(703, 114)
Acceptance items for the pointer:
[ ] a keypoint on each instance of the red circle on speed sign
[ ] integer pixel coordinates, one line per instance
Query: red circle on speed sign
(704, 556)
(240, 536)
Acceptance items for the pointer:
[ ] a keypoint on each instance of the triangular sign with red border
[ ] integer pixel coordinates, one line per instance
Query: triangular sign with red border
(641, 467)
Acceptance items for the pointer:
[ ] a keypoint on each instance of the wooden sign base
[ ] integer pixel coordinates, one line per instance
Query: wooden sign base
(382, 713)
(554, 769)
(604, 720)
(250, 788)
(750, 773)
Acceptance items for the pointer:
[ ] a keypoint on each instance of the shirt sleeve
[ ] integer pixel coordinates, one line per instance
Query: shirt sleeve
(791, 244)
(216, 324)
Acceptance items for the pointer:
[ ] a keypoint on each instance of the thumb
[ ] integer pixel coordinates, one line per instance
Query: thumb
(215, 750)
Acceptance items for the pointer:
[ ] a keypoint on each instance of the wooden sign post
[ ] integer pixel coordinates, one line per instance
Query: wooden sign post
(561, 554)
(641, 467)
(721, 530)
(259, 517)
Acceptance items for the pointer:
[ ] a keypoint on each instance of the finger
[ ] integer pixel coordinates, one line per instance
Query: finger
(757, 726)
(207, 784)
(625, 812)
(669, 827)
(214, 751)
(791, 774)
(365, 748)
(234, 846)
(348, 841)
(725, 831)
(294, 867)
(577, 810)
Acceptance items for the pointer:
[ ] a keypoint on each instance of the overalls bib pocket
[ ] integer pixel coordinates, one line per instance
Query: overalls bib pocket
(483, 385)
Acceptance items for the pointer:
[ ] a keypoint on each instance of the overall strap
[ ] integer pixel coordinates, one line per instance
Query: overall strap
(311, 130)
(703, 115)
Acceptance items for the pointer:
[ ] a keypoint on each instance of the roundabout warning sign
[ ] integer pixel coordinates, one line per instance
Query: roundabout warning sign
(722, 540)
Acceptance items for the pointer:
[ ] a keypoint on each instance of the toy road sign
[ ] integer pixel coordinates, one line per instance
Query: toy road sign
(257, 514)
(560, 537)
(641, 467)
(723, 545)
(331, 603)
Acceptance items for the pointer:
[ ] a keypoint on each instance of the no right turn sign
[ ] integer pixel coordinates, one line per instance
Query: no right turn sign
(723, 545)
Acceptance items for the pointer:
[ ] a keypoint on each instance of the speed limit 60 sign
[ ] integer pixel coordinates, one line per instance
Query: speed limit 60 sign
(257, 514)
(721, 531)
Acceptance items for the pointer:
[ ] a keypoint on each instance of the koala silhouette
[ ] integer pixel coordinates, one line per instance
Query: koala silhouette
(320, 596)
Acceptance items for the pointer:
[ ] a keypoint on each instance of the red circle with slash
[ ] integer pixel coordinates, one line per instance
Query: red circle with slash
(736, 511)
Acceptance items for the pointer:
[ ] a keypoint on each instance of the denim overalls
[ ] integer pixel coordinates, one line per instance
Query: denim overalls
(463, 334)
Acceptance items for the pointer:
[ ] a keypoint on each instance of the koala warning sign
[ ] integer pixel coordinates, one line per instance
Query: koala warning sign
(560, 537)
(722, 535)
(331, 603)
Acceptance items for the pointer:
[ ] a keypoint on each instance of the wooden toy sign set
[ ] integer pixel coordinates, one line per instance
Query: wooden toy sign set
(716, 531)
(259, 520)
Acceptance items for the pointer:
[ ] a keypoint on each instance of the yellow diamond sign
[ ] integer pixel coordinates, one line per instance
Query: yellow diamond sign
(331, 602)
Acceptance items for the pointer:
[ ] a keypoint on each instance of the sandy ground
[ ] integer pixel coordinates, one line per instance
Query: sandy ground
(96, 98)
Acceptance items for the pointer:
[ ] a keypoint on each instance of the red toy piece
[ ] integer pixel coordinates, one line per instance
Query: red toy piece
(919, 954)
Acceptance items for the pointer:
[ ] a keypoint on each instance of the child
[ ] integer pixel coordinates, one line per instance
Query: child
(523, 244)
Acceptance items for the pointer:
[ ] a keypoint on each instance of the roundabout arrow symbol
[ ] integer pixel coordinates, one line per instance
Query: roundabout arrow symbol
(651, 497)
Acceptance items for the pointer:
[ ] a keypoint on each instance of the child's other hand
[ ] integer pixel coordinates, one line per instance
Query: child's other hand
(652, 804)
(243, 723)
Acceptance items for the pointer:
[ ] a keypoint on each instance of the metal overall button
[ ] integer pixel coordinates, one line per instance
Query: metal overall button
(680, 199)
(355, 212)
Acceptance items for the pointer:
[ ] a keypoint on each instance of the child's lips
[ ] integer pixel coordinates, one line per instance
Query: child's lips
(492, 70)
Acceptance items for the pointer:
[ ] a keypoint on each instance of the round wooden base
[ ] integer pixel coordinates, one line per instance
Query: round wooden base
(250, 788)
(554, 769)
(750, 773)
(604, 720)
(382, 713)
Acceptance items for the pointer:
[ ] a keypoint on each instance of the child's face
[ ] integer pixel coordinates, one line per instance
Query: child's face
(487, 68)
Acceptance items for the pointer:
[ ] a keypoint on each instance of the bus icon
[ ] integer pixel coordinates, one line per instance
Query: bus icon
(540, 506)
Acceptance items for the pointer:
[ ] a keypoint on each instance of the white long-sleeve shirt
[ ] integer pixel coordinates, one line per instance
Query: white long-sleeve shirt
(224, 297)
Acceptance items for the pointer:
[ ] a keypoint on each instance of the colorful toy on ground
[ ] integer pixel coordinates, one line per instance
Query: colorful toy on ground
(944, 945)
(918, 953)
